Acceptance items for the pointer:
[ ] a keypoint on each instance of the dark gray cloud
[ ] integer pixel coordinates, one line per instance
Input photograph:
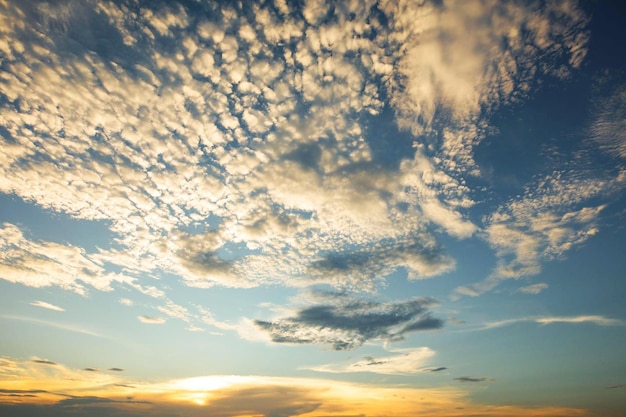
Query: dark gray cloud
(95, 400)
(346, 323)
(91, 369)
(44, 361)
(441, 368)
(472, 379)
(116, 369)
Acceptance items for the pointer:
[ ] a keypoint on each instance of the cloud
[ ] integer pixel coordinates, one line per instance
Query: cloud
(533, 289)
(595, 319)
(608, 126)
(221, 395)
(43, 304)
(116, 369)
(151, 320)
(471, 379)
(441, 368)
(268, 116)
(404, 361)
(591, 319)
(62, 326)
(44, 361)
(91, 369)
(126, 302)
(44, 263)
(345, 323)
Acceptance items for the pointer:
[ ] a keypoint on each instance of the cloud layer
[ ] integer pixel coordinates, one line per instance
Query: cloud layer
(249, 148)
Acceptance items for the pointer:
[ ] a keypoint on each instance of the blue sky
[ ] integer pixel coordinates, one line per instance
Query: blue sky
(215, 208)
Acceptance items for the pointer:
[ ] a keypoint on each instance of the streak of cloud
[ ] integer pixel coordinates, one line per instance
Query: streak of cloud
(48, 306)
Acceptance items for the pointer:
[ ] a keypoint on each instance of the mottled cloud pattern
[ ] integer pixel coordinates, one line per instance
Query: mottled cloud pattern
(246, 133)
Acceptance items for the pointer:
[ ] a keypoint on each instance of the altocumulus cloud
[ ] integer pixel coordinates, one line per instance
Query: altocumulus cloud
(346, 323)
(111, 120)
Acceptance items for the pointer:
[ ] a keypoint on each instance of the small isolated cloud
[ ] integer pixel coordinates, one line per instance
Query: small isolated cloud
(616, 386)
(126, 302)
(533, 289)
(151, 320)
(346, 323)
(43, 361)
(404, 361)
(193, 328)
(49, 306)
(441, 368)
(91, 369)
(116, 369)
(472, 379)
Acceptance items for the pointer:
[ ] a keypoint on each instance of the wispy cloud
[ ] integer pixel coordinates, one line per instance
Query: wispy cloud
(533, 289)
(403, 361)
(62, 326)
(151, 320)
(591, 319)
(49, 306)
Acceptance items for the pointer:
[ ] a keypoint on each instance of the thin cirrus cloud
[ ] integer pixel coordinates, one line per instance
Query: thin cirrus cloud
(588, 319)
(45, 305)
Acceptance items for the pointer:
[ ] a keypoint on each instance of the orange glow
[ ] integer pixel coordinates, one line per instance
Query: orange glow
(29, 382)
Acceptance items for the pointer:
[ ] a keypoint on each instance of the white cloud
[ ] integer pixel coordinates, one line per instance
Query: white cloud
(533, 289)
(276, 149)
(151, 320)
(404, 361)
(48, 306)
(592, 319)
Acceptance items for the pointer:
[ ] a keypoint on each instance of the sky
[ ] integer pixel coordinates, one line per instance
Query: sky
(311, 208)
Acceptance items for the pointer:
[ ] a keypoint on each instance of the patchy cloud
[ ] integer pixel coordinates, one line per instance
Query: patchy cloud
(114, 125)
(346, 323)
